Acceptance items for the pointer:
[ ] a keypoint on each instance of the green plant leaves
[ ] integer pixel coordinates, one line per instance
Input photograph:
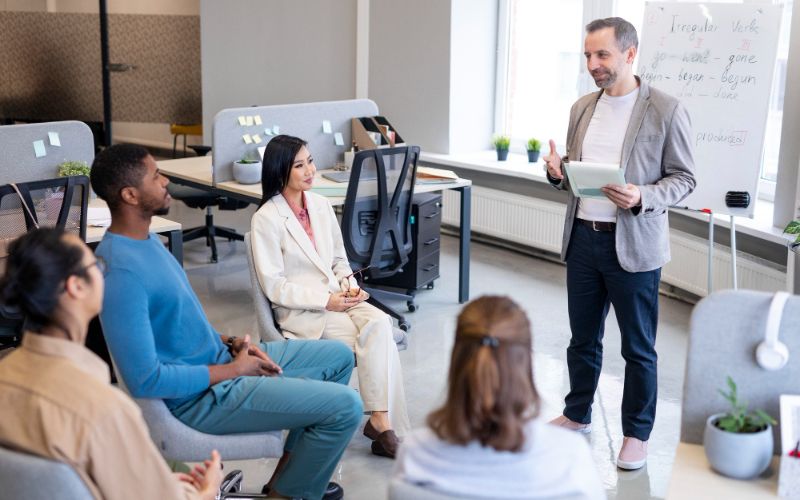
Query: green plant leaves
(738, 419)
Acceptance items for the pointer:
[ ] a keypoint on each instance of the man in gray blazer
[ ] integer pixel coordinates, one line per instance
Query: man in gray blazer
(614, 248)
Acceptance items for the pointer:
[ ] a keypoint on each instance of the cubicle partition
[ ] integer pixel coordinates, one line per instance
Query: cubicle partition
(32, 152)
(239, 132)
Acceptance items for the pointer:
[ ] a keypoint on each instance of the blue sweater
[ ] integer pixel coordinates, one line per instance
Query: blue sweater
(155, 327)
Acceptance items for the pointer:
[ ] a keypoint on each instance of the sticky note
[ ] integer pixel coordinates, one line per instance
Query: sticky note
(242, 121)
(247, 139)
(55, 140)
(249, 121)
(38, 148)
(276, 129)
(256, 138)
(257, 119)
(268, 131)
(326, 126)
(338, 139)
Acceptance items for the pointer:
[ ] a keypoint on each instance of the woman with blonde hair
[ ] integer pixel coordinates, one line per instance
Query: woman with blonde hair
(486, 440)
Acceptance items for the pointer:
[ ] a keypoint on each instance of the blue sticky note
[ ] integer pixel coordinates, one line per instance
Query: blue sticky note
(326, 126)
(338, 139)
(267, 131)
(54, 139)
(276, 129)
(38, 148)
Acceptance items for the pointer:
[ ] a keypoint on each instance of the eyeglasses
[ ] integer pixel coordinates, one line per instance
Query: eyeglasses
(354, 273)
(100, 263)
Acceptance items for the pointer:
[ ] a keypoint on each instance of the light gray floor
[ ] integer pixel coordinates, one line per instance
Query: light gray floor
(539, 287)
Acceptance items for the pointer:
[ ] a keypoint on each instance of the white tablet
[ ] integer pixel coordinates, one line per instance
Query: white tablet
(586, 178)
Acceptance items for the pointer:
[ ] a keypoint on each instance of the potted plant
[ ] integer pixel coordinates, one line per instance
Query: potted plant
(793, 230)
(70, 168)
(533, 146)
(501, 144)
(738, 443)
(247, 170)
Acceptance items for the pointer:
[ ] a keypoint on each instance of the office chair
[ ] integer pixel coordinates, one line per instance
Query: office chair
(375, 221)
(60, 202)
(200, 198)
(268, 329)
(28, 476)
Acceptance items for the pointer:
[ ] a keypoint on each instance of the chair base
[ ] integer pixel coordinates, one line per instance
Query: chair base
(210, 232)
(377, 295)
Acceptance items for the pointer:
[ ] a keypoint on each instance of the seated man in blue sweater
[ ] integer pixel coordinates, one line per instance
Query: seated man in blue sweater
(165, 347)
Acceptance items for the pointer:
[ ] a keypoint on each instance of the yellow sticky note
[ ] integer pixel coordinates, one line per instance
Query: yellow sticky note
(257, 120)
(242, 121)
(256, 139)
(247, 139)
(249, 121)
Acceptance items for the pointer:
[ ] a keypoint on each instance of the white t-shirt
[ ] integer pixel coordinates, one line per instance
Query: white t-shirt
(553, 462)
(603, 144)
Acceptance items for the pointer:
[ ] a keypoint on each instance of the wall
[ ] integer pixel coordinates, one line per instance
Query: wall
(787, 188)
(277, 52)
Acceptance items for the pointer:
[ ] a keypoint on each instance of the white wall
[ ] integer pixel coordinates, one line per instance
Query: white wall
(257, 52)
(787, 188)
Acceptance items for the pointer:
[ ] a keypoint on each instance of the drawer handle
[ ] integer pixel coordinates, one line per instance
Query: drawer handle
(431, 216)
(431, 241)
(429, 267)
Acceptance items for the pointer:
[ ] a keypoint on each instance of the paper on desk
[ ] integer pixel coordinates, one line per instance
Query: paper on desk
(257, 119)
(246, 138)
(242, 121)
(586, 179)
(54, 139)
(261, 152)
(38, 148)
(98, 216)
(326, 127)
(338, 139)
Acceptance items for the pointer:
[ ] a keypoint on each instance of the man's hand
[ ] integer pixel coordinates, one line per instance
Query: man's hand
(206, 478)
(625, 197)
(553, 162)
(250, 360)
(342, 301)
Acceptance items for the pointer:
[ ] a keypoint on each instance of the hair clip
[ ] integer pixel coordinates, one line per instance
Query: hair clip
(490, 341)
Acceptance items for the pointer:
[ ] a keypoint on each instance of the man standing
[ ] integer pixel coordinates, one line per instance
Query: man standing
(165, 347)
(615, 247)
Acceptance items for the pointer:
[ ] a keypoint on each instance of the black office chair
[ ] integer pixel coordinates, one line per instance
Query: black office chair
(199, 198)
(60, 202)
(375, 222)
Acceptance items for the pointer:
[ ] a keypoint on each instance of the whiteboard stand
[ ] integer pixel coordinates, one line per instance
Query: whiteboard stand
(710, 250)
(733, 252)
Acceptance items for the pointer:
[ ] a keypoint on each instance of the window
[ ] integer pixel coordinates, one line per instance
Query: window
(541, 72)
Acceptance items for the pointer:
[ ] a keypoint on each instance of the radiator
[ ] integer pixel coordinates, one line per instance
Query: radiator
(539, 224)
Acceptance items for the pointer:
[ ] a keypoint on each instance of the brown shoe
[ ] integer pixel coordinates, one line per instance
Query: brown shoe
(384, 444)
(370, 431)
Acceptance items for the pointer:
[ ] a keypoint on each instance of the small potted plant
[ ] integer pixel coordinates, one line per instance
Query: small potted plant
(247, 170)
(533, 146)
(738, 443)
(793, 231)
(70, 168)
(501, 144)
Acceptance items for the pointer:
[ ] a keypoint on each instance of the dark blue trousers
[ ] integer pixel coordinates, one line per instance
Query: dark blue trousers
(595, 280)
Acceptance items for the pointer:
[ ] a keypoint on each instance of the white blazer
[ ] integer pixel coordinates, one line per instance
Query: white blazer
(297, 278)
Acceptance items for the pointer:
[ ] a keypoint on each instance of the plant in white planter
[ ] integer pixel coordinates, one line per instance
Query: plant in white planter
(247, 170)
(738, 443)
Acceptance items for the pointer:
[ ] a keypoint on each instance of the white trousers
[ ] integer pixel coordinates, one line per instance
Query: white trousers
(368, 332)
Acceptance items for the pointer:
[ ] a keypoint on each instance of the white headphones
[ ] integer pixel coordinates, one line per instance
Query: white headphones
(772, 354)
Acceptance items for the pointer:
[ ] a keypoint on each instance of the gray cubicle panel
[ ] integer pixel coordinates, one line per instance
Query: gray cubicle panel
(18, 161)
(726, 328)
(301, 120)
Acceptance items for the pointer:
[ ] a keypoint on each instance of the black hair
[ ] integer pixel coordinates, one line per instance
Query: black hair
(277, 165)
(116, 168)
(38, 265)
(624, 32)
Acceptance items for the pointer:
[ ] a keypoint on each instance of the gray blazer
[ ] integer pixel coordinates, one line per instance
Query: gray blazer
(657, 157)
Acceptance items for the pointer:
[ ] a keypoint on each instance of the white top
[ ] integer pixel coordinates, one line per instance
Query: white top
(553, 462)
(603, 144)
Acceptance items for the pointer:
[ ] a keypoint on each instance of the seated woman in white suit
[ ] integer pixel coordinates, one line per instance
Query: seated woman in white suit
(303, 269)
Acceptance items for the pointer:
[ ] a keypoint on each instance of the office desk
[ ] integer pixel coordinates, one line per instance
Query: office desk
(196, 172)
(158, 225)
(692, 477)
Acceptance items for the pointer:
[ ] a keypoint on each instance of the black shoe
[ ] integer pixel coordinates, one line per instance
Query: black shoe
(332, 492)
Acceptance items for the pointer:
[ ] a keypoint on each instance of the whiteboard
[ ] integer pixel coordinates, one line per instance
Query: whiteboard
(719, 60)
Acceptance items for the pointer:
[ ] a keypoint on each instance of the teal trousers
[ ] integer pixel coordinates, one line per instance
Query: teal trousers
(311, 399)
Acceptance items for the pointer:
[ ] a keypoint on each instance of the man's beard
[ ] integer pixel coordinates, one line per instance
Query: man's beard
(161, 211)
(611, 78)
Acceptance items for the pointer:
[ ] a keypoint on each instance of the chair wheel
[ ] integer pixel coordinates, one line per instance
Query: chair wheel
(404, 325)
(430, 285)
(412, 306)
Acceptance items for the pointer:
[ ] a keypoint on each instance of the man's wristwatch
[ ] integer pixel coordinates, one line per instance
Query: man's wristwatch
(229, 342)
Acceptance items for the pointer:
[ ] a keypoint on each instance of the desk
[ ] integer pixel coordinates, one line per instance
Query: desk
(692, 477)
(196, 172)
(158, 225)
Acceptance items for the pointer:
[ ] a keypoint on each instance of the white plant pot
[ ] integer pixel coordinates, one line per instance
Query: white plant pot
(247, 173)
(737, 455)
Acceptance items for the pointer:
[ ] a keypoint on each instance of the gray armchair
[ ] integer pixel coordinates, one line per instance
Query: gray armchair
(28, 476)
(268, 329)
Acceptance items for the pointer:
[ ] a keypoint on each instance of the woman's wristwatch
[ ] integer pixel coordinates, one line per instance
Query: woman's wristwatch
(230, 341)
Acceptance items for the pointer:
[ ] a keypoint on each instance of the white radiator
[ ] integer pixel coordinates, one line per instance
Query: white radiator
(539, 224)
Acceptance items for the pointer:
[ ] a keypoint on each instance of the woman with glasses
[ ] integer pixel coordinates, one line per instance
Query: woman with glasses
(486, 440)
(56, 400)
(303, 269)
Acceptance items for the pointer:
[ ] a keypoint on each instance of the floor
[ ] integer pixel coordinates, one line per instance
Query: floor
(538, 286)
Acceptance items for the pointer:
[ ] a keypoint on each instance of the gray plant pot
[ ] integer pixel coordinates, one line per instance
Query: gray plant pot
(533, 156)
(247, 173)
(740, 456)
